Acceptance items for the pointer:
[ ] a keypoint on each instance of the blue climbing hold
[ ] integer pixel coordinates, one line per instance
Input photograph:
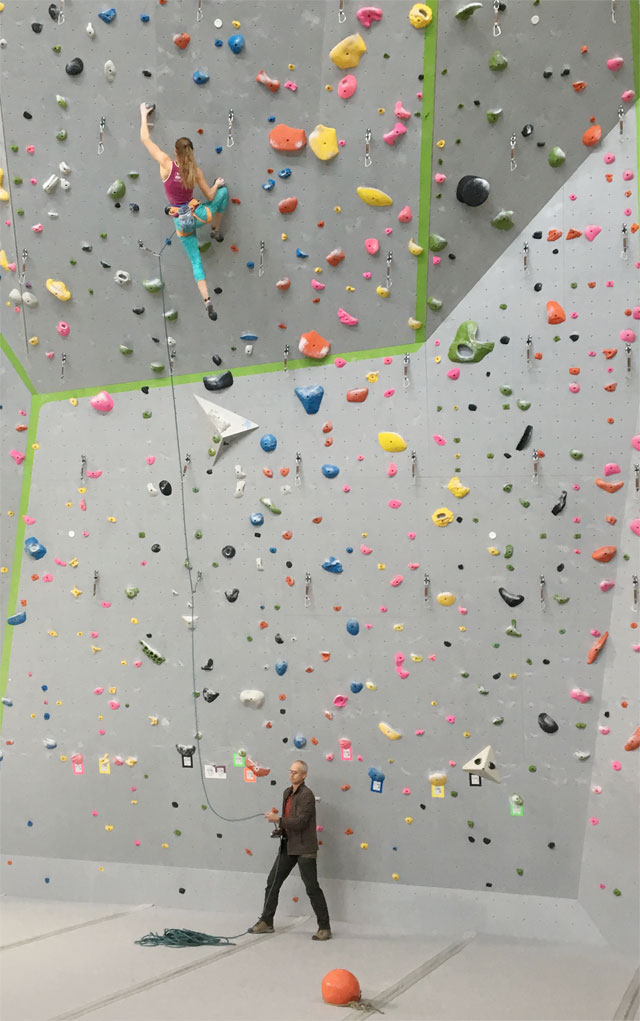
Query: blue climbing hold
(17, 618)
(281, 667)
(7, 701)
(285, 172)
(236, 42)
(270, 185)
(200, 77)
(250, 265)
(248, 337)
(330, 471)
(310, 398)
(300, 254)
(218, 43)
(353, 628)
(356, 686)
(107, 16)
(257, 519)
(268, 442)
(145, 18)
(333, 565)
(349, 549)
(34, 548)
(299, 741)
(218, 149)
(376, 774)
(271, 119)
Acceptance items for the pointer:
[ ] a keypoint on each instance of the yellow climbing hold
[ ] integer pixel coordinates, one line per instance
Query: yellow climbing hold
(493, 550)
(372, 377)
(382, 567)
(365, 847)
(389, 732)
(348, 52)
(415, 324)
(441, 143)
(349, 288)
(371, 686)
(3, 260)
(408, 819)
(393, 442)
(414, 248)
(446, 598)
(398, 627)
(72, 400)
(59, 289)
(324, 142)
(416, 658)
(456, 487)
(420, 15)
(34, 341)
(382, 291)
(394, 875)
(438, 779)
(4, 194)
(374, 197)
(442, 516)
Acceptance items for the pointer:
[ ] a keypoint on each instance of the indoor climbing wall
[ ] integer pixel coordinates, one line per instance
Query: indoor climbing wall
(383, 514)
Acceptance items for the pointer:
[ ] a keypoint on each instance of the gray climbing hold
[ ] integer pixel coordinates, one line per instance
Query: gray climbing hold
(472, 190)
(310, 397)
(116, 190)
(556, 156)
(503, 220)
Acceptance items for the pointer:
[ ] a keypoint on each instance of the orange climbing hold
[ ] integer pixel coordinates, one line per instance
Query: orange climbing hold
(611, 387)
(263, 625)
(286, 139)
(609, 352)
(609, 487)
(284, 472)
(267, 472)
(182, 40)
(316, 521)
(604, 554)
(609, 518)
(592, 136)
(572, 233)
(555, 313)
(313, 345)
(554, 234)
(633, 742)
(335, 257)
(574, 370)
(579, 86)
(263, 78)
(358, 396)
(287, 205)
(596, 647)
(289, 580)
(325, 656)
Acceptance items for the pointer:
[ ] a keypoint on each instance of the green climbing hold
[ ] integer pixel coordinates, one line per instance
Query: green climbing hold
(61, 135)
(505, 390)
(581, 726)
(464, 13)
(503, 220)
(131, 591)
(497, 61)
(157, 367)
(171, 315)
(512, 630)
(198, 534)
(556, 156)
(116, 190)
(133, 174)
(470, 824)
(498, 721)
(465, 347)
(508, 486)
(437, 242)
(482, 690)
(525, 503)
(533, 769)
(153, 286)
(266, 500)
(520, 872)
(61, 101)
(434, 303)
(577, 455)
(523, 405)
(617, 893)
(561, 599)
(147, 414)
(494, 115)
(125, 349)
(154, 656)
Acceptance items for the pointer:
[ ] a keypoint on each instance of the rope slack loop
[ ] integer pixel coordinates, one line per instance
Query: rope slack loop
(183, 938)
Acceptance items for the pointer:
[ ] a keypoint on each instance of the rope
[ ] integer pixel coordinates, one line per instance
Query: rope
(184, 938)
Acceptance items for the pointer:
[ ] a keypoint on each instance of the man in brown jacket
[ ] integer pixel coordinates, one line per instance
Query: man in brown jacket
(298, 844)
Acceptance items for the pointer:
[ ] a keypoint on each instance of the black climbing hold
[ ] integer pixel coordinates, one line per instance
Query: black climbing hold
(147, 74)
(209, 471)
(279, 639)
(87, 247)
(452, 256)
(527, 130)
(476, 102)
(27, 116)
(74, 67)
(218, 382)
(156, 340)
(138, 310)
(508, 456)
(574, 337)
(228, 552)
(547, 72)
(208, 665)
(217, 290)
(537, 287)
(565, 71)
(472, 407)
(541, 145)
(209, 696)
(145, 389)
(510, 598)
(560, 568)
(472, 190)
(105, 265)
(156, 547)
(165, 488)
(547, 724)
(134, 207)
(551, 845)
(116, 205)
(525, 439)
(537, 234)
(216, 359)
(486, 840)
(232, 595)
(560, 505)
(53, 12)
(36, 26)
(504, 340)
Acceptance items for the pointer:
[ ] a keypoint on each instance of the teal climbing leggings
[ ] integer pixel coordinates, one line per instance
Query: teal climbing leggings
(203, 215)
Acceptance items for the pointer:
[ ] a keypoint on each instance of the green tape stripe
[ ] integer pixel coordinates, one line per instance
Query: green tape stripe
(18, 554)
(17, 364)
(426, 148)
(634, 11)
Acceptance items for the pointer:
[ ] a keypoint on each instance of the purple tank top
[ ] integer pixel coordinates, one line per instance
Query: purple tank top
(175, 191)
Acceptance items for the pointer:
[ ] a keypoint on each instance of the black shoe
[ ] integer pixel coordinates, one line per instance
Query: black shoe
(211, 312)
(217, 235)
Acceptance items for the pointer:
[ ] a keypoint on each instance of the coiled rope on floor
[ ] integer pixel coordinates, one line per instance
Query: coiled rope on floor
(185, 938)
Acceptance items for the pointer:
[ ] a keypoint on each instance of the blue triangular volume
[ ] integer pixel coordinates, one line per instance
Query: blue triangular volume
(310, 398)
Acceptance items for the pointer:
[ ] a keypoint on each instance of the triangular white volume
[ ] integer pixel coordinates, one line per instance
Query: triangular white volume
(483, 765)
(224, 423)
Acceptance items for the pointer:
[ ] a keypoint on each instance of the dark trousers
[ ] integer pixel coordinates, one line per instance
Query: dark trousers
(282, 866)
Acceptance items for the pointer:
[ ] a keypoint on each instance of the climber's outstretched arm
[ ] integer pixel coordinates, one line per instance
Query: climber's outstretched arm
(162, 157)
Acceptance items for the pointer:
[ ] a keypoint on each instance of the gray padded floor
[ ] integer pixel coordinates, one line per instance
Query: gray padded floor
(70, 960)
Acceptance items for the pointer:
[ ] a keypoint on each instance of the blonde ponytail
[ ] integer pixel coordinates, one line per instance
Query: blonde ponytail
(186, 162)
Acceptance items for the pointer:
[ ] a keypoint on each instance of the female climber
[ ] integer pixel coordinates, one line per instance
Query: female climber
(179, 176)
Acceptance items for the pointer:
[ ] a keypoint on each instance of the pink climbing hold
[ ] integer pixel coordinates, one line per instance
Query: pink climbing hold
(574, 388)
(406, 790)
(396, 132)
(396, 581)
(317, 285)
(94, 474)
(635, 311)
(436, 260)
(388, 230)
(395, 504)
(580, 695)
(27, 520)
(413, 567)
(372, 245)
(591, 232)
(291, 86)
(340, 701)
(606, 584)
(367, 276)
(594, 822)
(102, 402)
(627, 336)
(366, 15)
(405, 215)
(389, 393)
(366, 550)
(628, 96)
(609, 158)
(627, 175)
(399, 658)
(150, 459)
(635, 442)
(604, 730)
(611, 468)
(617, 766)
(47, 577)
(634, 525)
(454, 373)
(440, 178)
(346, 319)
(399, 111)
(347, 86)
(392, 470)
(17, 456)
(450, 719)
(440, 440)
(615, 63)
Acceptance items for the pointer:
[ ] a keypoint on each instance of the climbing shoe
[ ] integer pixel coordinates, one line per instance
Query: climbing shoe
(322, 934)
(217, 235)
(261, 927)
(211, 312)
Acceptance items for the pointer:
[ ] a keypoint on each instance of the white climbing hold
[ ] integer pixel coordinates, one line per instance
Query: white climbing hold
(29, 299)
(109, 71)
(90, 30)
(64, 168)
(51, 184)
(122, 277)
(252, 698)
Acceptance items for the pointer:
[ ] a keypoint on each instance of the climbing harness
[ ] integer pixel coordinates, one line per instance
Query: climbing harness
(185, 220)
